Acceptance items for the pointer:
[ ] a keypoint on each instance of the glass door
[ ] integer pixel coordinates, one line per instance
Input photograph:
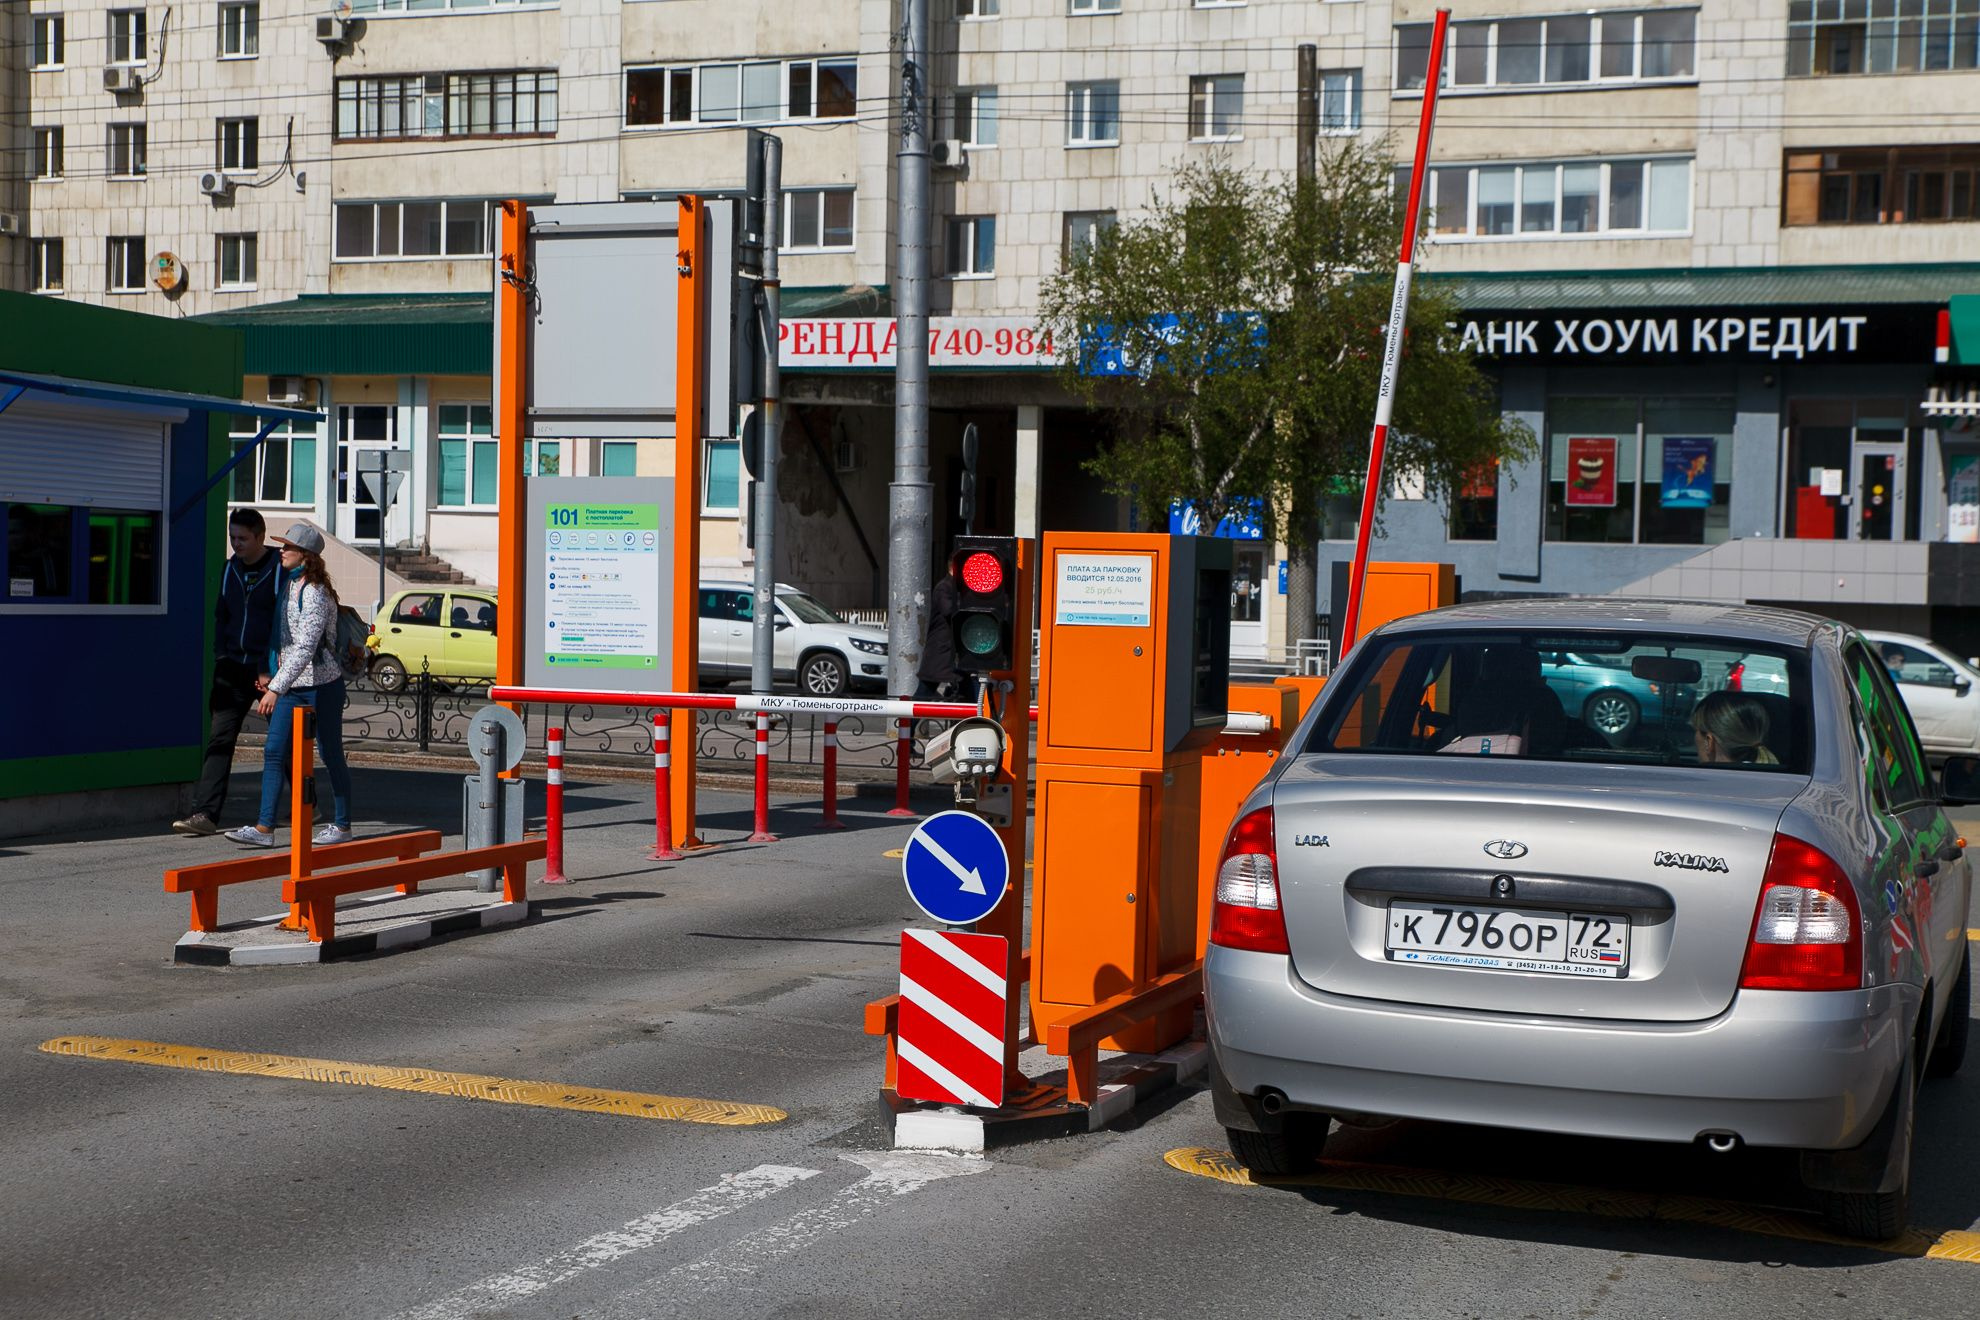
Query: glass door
(1248, 603)
(362, 427)
(1879, 494)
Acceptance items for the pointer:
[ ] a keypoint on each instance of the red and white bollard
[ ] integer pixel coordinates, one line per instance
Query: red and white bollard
(663, 789)
(831, 819)
(903, 753)
(762, 834)
(553, 811)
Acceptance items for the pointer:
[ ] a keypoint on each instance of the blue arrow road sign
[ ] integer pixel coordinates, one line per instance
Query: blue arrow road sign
(955, 867)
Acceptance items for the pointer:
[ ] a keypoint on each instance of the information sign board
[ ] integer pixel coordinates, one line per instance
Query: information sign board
(1113, 591)
(601, 552)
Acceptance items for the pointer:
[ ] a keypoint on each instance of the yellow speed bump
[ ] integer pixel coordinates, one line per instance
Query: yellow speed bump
(430, 1081)
(1563, 1198)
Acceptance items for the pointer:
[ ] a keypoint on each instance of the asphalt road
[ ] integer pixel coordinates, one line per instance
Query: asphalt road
(739, 975)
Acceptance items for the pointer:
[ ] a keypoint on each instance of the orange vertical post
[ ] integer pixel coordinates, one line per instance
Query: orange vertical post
(302, 798)
(511, 423)
(690, 425)
(1008, 918)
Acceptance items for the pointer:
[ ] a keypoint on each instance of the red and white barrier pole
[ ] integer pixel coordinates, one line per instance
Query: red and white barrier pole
(1393, 341)
(663, 790)
(553, 810)
(762, 834)
(903, 753)
(831, 819)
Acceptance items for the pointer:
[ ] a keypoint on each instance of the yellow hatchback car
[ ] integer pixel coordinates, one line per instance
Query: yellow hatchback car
(450, 631)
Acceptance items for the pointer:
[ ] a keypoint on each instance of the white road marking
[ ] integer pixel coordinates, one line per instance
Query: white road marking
(735, 1191)
(889, 1174)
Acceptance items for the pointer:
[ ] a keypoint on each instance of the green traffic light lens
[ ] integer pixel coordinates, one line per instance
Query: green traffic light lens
(979, 634)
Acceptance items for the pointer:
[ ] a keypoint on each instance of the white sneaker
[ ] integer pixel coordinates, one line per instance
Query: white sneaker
(250, 837)
(330, 834)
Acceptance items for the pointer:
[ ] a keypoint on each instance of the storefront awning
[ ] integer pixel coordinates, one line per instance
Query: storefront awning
(1763, 286)
(1965, 315)
(1952, 399)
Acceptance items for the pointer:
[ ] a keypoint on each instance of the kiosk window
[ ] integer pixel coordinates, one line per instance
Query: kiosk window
(40, 552)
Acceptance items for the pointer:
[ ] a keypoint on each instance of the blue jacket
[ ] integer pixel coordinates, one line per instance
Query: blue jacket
(244, 616)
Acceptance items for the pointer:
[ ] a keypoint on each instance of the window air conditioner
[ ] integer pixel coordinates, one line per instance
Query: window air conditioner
(216, 185)
(947, 154)
(122, 78)
(285, 389)
(332, 31)
(10, 224)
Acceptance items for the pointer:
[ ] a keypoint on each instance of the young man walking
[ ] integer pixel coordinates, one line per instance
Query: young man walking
(243, 618)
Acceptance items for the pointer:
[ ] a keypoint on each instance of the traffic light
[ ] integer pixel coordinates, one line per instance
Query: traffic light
(986, 572)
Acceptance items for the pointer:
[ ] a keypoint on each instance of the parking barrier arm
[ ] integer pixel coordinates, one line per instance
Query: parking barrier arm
(203, 881)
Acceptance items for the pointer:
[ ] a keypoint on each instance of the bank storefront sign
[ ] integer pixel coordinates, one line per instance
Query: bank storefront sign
(1853, 332)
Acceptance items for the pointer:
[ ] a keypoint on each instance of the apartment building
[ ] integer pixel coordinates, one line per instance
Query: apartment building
(1731, 243)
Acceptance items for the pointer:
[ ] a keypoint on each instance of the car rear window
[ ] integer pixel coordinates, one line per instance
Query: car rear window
(1627, 699)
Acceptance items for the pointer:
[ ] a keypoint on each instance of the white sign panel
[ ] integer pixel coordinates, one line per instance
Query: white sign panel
(601, 585)
(1108, 591)
(855, 342)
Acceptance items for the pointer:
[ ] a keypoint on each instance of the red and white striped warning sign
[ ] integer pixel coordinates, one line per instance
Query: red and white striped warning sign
(951, 1024)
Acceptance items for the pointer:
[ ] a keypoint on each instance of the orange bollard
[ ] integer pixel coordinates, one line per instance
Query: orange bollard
(663, 790)
(831, 819)
(553, 809)
(903, 753)
(302, 802)
(762, 834)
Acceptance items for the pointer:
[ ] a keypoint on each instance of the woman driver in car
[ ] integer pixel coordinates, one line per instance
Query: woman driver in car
(1731, 729)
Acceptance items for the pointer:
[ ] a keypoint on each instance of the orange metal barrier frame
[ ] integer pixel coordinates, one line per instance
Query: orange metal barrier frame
(204, 881)
(316, 895)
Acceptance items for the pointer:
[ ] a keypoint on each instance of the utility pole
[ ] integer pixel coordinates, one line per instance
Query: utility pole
(909, 497)
(1303, 526)
(763, 634)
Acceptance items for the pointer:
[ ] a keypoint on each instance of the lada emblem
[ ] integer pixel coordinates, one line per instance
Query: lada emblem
(1505, 849)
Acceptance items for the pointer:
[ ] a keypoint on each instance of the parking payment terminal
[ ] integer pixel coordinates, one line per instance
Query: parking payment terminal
(1134, 669)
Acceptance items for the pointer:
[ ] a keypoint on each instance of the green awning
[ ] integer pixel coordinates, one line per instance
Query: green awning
(1965, 328)
(406, 334)
(1761, 286)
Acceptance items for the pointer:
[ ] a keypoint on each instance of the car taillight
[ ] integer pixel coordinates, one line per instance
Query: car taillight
(1806, 929)
(1246, 914)
(1736, 676)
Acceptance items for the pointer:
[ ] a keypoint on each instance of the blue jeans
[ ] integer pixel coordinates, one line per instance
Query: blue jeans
(328, 700)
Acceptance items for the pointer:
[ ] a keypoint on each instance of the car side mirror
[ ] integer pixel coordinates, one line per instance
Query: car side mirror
(1959, 781)
(780, 623)
(1962, 686)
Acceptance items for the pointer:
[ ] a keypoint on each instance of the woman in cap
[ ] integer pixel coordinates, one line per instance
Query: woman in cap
(305, 671)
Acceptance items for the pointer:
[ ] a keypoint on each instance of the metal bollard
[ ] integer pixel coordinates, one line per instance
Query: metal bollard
(831, 819)
(663, 790)
(903, 753)
(302, 802)
(553, 809)
(762, 834)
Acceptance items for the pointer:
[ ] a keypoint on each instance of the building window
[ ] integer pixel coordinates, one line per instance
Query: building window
(469, 471)
(447, 105)
(428, 6)
(46, 42)
(1340, 101)
(127, 37)
(235, 258)
(1882, 186)
(977, 8)
(240, 31)
(406, 231)
(972, 246)
(47, 153)
(1639, 471)
(1216, 107)
(1882, 36)
(239, 145)
(283, 469)
(1083, 229)
(1475, 505)
(818, 220)
(759, 92)
(618, 458)
(45, 264)
(976, 116)
(1093, 114)
(127, 143)
(1551, 199)
(57, 554)
(721, 481)
(1568, 50)
(126, 262)
(1094, 6)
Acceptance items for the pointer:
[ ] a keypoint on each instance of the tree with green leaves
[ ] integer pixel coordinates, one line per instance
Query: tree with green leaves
(1234, 332)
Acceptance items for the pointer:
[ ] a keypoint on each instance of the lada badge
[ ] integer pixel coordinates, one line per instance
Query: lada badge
(1505, 849)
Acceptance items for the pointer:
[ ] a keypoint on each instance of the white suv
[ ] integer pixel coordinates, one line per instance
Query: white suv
(822, 653)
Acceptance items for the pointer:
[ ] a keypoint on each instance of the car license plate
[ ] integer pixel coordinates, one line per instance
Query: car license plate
(1509, 939)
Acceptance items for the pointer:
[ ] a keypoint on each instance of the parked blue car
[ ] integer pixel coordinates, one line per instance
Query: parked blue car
(1601, 692)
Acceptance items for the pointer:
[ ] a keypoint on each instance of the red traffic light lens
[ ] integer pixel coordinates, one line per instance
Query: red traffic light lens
(982, 572)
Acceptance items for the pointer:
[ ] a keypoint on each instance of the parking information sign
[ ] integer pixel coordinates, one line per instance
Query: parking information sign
(601, 576)
(955, 867)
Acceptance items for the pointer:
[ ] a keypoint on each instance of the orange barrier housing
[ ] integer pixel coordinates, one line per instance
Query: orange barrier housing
(1232, 767)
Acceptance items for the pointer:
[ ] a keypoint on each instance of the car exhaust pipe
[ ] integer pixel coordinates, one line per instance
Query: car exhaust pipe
(1722, 1143)
(1271, 1101)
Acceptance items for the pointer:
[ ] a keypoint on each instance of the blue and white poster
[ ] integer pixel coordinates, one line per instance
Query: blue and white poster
(1688, 471)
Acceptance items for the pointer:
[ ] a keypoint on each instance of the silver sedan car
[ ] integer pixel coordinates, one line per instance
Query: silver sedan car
(1742, 922)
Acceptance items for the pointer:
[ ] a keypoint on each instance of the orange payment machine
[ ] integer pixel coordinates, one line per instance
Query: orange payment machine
(1134, 677)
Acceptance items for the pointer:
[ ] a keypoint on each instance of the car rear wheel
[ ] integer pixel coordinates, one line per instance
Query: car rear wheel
(822, 674)
(1881, 1216)
(387, 674)
(1289, 1151)
(1949, 1049)
(1611, 714)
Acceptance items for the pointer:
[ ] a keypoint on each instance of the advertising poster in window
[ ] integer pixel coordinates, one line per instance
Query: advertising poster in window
(1688, 463)
(1963, 498)
(1591, 471)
